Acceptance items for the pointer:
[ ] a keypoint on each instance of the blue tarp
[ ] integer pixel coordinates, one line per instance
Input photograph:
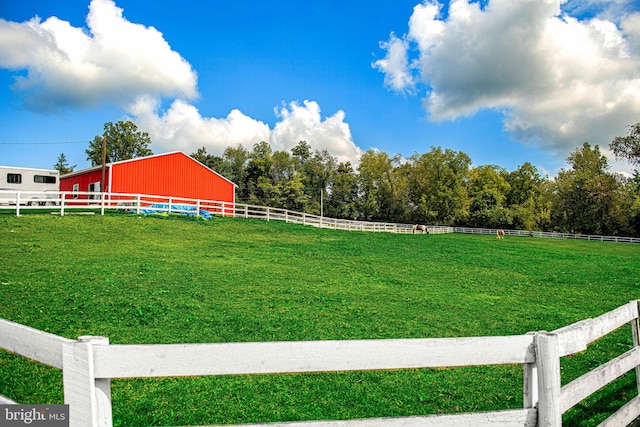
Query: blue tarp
(188, 210)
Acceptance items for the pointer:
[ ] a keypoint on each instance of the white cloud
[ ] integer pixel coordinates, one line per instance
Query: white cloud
(631, 27)
(182, 127)
(112, 61)
(304, 122)
(559, 80)
(117, 62)
(395, 65)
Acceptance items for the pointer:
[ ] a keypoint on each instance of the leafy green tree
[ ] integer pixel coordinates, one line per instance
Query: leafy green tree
(301, 153)
(278, 183)
(265, 193)
(287, 183)
(234, 168)
(587, 198)
(437, 187)
(123, 141)
(258, 173)
(632, 196)
(487, 211)
(524, 184)
(214, 163)
(282, 167)
(587, 160)
(524, 198)
(437, 190)
(487, 189)
(342, 197)
(201, 155)
(628, 147)
(544, 206)
(317, 171)
(292, 193)
(62, 165)
(383, 196)
(260, 160)
(624, 217)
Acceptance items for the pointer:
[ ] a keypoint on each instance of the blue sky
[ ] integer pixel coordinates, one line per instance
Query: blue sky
(505, 81)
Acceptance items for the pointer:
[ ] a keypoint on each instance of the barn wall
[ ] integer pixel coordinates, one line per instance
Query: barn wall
(174, 174)
(83, 179)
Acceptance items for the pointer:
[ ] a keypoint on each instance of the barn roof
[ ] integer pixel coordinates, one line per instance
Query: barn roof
(83, 171)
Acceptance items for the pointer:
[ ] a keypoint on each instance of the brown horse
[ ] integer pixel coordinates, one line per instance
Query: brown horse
(420, 228)
(500, 234)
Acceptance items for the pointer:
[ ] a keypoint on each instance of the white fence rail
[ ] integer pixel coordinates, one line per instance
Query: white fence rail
(548, 234)
(71, 202)
(89, 363)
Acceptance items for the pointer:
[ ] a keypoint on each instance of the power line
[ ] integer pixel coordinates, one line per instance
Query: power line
(43, 143)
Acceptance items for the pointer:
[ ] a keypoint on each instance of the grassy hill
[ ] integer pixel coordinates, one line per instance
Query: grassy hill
(175, 280)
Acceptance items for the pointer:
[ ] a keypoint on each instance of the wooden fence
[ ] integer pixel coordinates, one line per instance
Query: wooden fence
(71, 202)
(89, 363)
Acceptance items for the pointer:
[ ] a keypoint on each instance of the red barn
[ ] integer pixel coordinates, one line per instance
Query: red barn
(170, 174)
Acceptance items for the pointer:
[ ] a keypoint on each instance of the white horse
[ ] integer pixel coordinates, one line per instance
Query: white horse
(499, 234)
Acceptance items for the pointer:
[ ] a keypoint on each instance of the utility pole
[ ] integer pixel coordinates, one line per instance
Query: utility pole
(321, 206)
(104, 160)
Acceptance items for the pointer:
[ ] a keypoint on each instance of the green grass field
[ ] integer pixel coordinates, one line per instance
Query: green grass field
(175, 280)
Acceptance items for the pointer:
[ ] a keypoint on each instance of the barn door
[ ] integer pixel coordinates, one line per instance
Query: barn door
(94, 187)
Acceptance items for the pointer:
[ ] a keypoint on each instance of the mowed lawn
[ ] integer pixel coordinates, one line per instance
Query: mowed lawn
(151, 279)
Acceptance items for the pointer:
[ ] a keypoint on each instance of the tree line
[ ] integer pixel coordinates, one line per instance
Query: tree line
(439, 187)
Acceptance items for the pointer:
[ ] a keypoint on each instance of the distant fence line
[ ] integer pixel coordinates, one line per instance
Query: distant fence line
(69, 202)
(548, 234)
(89, 363)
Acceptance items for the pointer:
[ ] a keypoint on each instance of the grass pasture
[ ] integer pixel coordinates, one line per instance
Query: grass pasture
(154, 279)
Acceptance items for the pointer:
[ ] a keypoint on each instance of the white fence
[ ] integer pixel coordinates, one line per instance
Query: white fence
(548, 234)
(73, 202)
(89, 363)
(277, 214)
(69, 202)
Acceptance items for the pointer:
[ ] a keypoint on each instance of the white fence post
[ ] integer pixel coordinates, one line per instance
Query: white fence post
(635, 330)
(530, 384)
(89, 399)
(18, 204)
(548, 364)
